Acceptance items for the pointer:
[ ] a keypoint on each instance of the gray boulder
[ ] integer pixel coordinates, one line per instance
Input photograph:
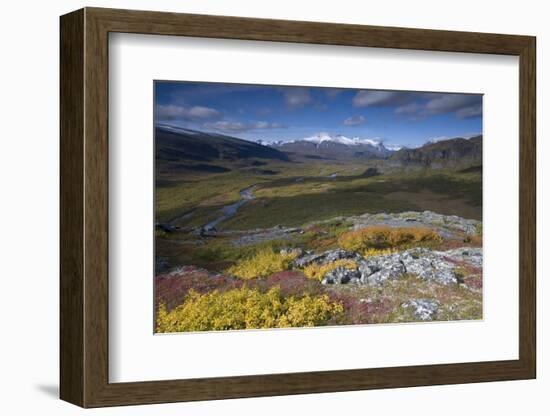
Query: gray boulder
(341, 276)
(378, 270)
(470, 255)
(429, 265)
(426, 264)
(326, 257)
(423, 309)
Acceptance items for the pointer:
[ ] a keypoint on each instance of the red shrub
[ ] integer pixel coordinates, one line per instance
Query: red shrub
(171, 288)
(474, 282)
(363, 311)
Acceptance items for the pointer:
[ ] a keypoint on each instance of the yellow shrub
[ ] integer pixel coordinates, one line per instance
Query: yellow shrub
(262, 263)
(309, 311)
(383, 237)
(245, 308)
(318, 271)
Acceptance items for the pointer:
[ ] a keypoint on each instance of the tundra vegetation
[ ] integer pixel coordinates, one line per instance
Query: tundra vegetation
(319, 243)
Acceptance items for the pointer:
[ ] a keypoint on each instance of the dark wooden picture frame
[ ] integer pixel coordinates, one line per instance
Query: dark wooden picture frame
(84, 207)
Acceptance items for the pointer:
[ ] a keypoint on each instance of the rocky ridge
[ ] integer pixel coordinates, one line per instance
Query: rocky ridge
(445, 224)
(426, 264)
(448, 226)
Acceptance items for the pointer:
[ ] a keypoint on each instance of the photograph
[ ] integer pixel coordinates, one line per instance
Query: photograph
(294, 206)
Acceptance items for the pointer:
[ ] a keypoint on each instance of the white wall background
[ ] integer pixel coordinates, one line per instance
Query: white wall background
(29, 206)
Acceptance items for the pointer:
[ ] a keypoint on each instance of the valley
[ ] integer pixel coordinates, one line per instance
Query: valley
(350, 230)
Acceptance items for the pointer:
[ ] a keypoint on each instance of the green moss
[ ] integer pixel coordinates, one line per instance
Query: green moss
(305, 208)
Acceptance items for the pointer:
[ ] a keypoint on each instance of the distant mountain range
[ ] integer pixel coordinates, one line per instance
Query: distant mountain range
(179, 150)
(326, 146)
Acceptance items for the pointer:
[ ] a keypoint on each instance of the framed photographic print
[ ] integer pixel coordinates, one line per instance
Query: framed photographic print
(257, 207)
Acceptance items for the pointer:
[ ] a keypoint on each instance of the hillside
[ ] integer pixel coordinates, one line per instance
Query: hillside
(452, 152)
(184, 150)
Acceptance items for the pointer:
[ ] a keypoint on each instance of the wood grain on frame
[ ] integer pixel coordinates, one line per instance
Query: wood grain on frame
(71, 218)
(84, 207)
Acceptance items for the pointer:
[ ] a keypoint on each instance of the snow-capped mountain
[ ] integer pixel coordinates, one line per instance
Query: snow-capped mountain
(338, 138)
(394, 147)
(329, 146)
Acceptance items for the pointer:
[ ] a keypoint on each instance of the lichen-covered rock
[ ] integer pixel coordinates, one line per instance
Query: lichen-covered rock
(341, 275)
(470, 255)
(426, 264)
(378, 270)
(423, 309)
(429, 265)
(326, 257)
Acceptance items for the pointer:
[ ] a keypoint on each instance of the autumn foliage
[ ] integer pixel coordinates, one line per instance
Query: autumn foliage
(246, 308)
(385, 237)
(262, 263)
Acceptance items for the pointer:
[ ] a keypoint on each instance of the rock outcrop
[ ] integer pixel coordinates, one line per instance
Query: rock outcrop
(326, 257)
(342, 276)
(426, 264)
(447, 225)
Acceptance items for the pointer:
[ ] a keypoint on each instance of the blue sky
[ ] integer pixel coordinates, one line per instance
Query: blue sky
(270, 113)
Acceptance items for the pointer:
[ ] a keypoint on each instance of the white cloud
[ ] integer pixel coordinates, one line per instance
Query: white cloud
(231, 126)
(297, 97)
(195, 113)
(355, 120)
(462, 105)
(240, 127)
(412, 108)
(467, 112)
(333, 92)
(373, 98)
(450, 102)
(265, 125)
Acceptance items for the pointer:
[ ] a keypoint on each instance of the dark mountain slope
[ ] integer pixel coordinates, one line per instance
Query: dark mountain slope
(175, 144)
(452, 152)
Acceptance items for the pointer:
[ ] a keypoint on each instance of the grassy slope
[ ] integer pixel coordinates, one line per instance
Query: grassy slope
(300, 192)
(324, 198)
(181, 192)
